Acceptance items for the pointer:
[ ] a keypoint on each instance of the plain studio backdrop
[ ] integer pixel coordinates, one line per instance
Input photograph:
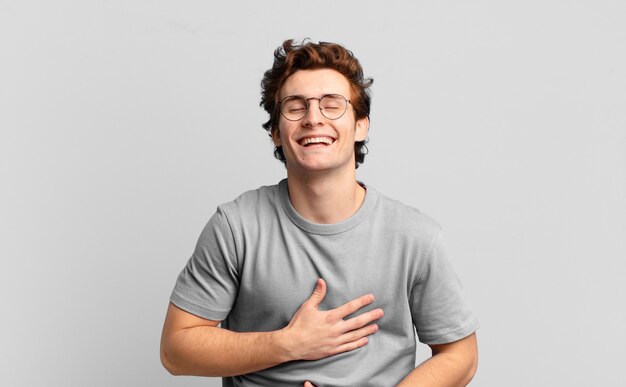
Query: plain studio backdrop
(125, 123)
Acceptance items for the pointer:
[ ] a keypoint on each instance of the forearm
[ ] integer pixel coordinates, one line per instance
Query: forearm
(441, 370)
(450, 368)
(192, 345)
(213, 351)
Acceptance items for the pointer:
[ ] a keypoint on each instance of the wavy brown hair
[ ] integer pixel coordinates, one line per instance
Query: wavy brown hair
(291, 57)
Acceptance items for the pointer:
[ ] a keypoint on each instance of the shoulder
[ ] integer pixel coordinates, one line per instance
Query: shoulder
(252, 201)
(242, 218)
(403, 221)
(251, 211)
(404, 214)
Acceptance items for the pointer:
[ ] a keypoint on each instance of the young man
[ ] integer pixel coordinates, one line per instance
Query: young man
(377, 269)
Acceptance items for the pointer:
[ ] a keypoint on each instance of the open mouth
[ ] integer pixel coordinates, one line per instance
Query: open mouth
(316, 141)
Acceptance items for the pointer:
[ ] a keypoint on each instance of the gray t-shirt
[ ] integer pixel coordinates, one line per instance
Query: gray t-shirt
(257, 260)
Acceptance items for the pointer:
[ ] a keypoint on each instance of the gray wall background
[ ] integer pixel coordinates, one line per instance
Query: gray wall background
(125, 123)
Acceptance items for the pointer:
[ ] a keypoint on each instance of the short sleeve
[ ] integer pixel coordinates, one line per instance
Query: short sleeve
(438, 308)
(207, 286)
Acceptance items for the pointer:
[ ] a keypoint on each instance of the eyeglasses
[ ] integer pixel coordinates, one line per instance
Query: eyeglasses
(332, 106)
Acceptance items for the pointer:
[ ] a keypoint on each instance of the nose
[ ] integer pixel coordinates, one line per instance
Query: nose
(313, 115)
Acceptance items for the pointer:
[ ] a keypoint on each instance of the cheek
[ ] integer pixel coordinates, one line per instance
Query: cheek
(281, 135)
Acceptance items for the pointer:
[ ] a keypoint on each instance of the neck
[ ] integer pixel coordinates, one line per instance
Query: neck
(325, 199)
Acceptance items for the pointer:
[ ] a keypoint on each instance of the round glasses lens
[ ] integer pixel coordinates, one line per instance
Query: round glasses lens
(294, 108)
(333, 106)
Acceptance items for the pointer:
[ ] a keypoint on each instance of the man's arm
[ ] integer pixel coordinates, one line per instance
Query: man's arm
(453, 364)
(191, 345)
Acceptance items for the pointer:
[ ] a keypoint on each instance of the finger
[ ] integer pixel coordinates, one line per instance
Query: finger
(351, 346)
(309, 384)
(362, 320)
(358, 334)
(352, 306)
(318, 293)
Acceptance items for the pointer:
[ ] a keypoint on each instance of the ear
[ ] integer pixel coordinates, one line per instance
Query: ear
(276, 137)
(362, 128)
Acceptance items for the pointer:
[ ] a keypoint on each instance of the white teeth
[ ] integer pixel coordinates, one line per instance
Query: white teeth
(316, 140)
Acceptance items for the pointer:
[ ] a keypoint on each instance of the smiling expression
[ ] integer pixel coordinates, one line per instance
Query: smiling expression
(316, 143)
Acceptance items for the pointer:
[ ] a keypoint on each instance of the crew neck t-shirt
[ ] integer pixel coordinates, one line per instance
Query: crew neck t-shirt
(257, 260)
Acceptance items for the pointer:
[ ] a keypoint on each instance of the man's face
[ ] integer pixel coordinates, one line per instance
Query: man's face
(332, 148)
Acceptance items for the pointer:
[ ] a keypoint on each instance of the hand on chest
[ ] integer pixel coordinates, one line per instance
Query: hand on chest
(273, 286)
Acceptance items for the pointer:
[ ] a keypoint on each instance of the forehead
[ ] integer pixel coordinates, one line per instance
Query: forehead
(314, 83)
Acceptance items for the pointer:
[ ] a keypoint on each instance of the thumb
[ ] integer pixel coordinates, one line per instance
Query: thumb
(319, 293)
(309, 384)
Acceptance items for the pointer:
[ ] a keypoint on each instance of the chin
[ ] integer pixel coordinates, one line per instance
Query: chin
(309, 168)
(321, 163)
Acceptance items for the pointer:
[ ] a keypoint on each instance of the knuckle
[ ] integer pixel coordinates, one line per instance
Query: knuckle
(358, 322)
(329, 318)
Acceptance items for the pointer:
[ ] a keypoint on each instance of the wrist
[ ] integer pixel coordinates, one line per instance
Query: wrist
(282, 345)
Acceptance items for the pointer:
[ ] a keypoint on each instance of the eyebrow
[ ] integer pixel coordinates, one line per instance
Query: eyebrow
(307, 98)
